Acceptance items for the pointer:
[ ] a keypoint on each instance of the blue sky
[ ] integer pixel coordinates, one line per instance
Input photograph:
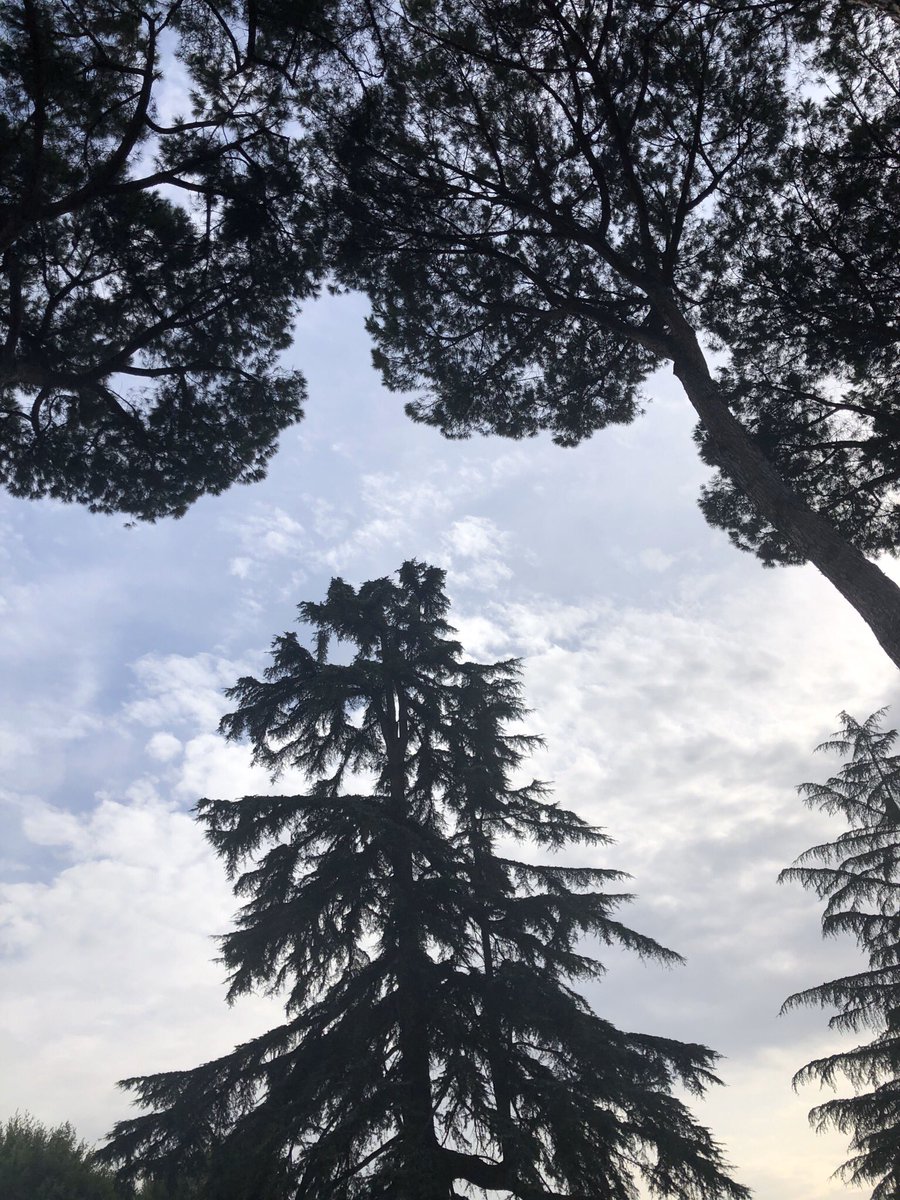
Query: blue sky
(681, 689)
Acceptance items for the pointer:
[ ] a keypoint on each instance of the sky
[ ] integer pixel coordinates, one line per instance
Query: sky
(681, 689)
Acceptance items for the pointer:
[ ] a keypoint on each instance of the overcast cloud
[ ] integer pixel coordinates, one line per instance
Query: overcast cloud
(680, 687)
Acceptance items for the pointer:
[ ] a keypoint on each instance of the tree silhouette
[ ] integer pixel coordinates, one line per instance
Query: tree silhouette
(433, 1035)
(806, 296)
(150, 265)
(547, 201)
(858, 874)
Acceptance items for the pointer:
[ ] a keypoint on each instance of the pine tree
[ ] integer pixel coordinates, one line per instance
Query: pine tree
(433, 1035)
(556, 1069)
(150, 266)
(547, 201)
(806, 296)
(858, 874)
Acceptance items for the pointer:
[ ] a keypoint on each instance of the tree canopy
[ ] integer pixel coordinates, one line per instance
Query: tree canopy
(42, 1163)
(806, 298)
(858, 875)
(546, 202)
(433, 1032)
(157, 228)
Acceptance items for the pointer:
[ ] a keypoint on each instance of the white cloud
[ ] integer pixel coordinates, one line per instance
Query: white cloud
(213, 769)
(476, 552)
(653, 559)
(164, 746)
(387, 510)
(106, 969)
(269, 532)
(178, 689)
(476, 537)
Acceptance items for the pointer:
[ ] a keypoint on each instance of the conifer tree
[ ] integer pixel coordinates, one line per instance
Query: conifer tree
(806, 295)
(433, 1037)
(858, 874)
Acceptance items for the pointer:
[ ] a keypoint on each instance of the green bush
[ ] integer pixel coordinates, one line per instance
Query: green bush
(37, 1163)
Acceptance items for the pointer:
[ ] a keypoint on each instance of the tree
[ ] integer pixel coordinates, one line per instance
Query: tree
(433, 1034)
(807, 295)
(858, 874)
(42, 1163)
(543, 202)
(150, 265)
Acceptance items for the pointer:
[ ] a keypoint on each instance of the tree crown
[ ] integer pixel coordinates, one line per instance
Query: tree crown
(433, 1034)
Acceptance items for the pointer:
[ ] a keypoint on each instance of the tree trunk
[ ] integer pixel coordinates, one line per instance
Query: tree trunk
(874, 596)
(421, 1176)
(480, 848)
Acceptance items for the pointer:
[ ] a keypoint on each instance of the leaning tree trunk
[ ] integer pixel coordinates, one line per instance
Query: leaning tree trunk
(864, 585)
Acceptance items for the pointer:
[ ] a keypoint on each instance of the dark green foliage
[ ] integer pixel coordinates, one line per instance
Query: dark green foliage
(150, 269)
(42, 1163)
(39, 1163)
(858, 875)
(176, 1190)
(544, 202)
(432, 1033)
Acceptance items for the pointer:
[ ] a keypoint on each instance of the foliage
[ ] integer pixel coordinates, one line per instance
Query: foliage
(806, 295)
(40, 1163)
(530, 185)
(157, 228)
(544, 202)
(172, 1189)
(432, 1033)
(858, 875)
(547, 201)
